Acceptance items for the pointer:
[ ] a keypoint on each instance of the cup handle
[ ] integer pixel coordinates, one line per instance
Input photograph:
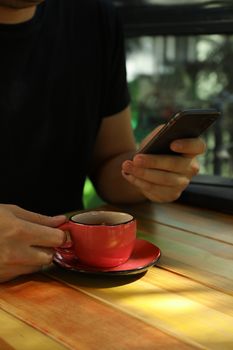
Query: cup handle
(68, 243)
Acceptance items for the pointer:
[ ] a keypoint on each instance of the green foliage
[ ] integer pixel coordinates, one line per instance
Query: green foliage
(90, 197)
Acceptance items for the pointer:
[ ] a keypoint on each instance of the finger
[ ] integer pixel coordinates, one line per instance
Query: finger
(158, 177)
(39, 235)
(51, 221)
(151, 135)
(42, 256)
(176, 164)
(153, 192)
(35, 256)
(189, 146)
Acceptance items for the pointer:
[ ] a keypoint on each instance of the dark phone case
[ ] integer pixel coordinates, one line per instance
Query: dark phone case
(185, 124)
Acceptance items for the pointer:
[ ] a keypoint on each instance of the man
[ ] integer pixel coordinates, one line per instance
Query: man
(64, 114)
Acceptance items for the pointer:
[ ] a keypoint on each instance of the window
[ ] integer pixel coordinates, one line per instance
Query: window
(179, 55)
(169, 73)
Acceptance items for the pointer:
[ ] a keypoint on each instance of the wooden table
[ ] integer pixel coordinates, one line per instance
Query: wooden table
(184, 302)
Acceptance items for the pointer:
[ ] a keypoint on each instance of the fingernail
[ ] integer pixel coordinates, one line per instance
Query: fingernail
(127, 167)
(60, 217)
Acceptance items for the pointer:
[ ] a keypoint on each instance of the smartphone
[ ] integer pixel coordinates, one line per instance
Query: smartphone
(188, 123)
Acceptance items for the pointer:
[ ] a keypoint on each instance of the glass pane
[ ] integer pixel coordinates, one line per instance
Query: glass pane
(167, 74)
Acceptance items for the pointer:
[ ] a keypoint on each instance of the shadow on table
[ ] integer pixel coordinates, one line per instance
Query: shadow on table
(79, 279)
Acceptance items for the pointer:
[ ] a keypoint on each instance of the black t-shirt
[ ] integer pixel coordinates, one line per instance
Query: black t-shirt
(60, 74)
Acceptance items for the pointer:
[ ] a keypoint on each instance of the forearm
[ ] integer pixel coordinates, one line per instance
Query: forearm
(111, 185)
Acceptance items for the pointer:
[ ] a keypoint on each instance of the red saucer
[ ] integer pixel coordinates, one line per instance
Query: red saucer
(144, 255)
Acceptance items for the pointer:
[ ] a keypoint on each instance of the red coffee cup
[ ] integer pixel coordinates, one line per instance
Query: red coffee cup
(102, 238)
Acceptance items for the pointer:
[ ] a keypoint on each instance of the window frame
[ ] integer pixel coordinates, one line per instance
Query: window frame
(144, 19)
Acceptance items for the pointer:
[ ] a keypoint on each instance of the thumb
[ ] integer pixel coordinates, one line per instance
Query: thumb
(150, 135)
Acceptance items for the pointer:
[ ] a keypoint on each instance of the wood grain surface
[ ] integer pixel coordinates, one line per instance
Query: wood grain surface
(78, 320)
(184, 302)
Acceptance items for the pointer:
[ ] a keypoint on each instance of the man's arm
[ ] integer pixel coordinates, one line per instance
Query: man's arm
(120, 177)
(115, 144)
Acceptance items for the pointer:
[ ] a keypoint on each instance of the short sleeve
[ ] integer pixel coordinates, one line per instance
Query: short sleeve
(115, 90)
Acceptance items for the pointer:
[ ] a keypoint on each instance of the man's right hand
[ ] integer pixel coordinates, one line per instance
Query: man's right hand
(27, 240)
